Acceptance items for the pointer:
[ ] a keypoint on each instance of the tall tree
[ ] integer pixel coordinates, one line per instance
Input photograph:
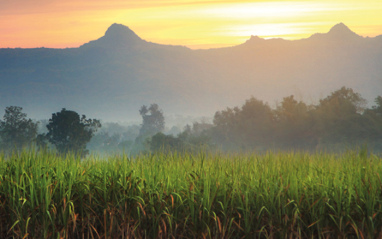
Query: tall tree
(339, 118)
(16, 130)
(294, 123)
(70, 133)
(152, 121)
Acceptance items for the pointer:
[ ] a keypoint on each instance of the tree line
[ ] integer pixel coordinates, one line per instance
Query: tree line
(338, 121)
(67, 131)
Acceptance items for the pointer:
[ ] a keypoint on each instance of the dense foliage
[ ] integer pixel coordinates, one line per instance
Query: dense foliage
(275, 195)
(69, 132)
(340, 120)
(16, 130)
(337, 122)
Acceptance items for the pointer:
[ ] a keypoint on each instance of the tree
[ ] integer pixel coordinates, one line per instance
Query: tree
(70, 133)
(339, 118)
(197, 137)
(165, 143)
(15, 129)
(294, 123)
(373, 123)
(343, 101)
(247, 127)
(152, 121)
(378, 108)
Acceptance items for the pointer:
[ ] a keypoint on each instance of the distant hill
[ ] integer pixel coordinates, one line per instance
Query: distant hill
(111, 77)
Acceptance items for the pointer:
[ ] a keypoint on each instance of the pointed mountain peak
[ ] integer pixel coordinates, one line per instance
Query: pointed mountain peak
(117, 35)
(340, 30)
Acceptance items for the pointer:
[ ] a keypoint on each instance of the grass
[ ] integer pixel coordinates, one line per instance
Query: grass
(274, 195)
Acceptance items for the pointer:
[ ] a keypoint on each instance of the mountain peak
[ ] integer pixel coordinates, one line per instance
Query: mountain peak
(340, 30)
(254, 40)
(121, 32)
(117, 35)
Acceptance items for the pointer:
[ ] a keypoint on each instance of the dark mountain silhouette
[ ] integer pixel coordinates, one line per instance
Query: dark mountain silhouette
(116, 36)
(111, 77)
(339, 32)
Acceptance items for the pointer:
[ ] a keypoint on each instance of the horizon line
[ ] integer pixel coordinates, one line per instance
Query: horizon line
(192, 48)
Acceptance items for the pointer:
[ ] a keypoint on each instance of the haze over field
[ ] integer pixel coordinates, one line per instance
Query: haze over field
(206, 118)
(111, 77)
(190, 118)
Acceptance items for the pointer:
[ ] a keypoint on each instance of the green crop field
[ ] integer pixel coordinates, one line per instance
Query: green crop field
(271, 195)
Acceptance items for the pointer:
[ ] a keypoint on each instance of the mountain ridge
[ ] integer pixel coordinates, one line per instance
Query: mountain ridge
(119, 35)
(112, 76)
(337, 32)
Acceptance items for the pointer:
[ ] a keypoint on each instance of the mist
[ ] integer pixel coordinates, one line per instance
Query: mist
(111, 77)
(233, 98)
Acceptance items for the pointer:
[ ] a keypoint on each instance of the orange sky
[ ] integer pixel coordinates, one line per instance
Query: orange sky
(196, 24)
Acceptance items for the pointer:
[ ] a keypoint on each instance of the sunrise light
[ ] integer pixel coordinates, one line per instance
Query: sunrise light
(196, 24)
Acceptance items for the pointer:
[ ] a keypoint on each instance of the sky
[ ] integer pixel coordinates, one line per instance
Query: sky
(196, 24)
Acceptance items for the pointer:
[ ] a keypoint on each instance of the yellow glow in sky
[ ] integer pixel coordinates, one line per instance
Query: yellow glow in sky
(196, 24)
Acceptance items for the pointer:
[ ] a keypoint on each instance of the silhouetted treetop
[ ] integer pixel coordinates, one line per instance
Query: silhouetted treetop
(16, 130)
(152, 120)
(70, 132)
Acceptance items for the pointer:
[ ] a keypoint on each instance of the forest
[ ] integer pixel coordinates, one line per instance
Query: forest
(340, 121)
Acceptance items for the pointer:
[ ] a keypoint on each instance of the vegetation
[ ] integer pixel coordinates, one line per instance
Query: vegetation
(113, 138)
(339, 121)
(274, 195)
(336, 123)
(151, 123)
(16, 130)
(69, 132)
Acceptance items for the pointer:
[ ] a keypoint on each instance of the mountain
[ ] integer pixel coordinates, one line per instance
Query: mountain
(117, 36)
(339, 32)
(111, 77)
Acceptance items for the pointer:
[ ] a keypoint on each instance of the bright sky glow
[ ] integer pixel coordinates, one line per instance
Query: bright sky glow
(268, 10)
(196, 24)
